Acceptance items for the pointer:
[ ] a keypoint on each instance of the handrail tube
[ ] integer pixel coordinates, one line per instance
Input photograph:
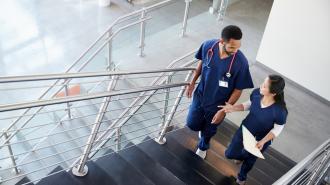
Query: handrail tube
(18, 106)
(65, 82)
(136, 100)
(86, 75)
(291, 174)
(96, 127)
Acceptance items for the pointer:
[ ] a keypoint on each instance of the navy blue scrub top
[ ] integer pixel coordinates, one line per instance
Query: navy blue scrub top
(260, 121)
(209, 92)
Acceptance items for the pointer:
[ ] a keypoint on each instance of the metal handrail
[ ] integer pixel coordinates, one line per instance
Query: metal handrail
(136, 108)
(76, 107)
(81, 136)
(67, 130)
(39, 103)
(76, 83)
(87, 97)
(69, 76)
(42, 103)
(66, 169)
(71, 149)
(297, 169)
(85, 75)
(107, 33)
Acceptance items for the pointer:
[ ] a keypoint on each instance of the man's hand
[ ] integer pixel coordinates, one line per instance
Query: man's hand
(190, 89)
(218, 117)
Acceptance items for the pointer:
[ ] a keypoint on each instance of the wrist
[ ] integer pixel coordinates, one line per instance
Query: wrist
(221, 112)
(263, 141)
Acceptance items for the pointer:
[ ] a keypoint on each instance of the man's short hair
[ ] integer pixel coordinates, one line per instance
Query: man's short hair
(231, 32)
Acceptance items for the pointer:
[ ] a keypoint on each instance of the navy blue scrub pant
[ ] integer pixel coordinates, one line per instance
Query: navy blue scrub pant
(199, 119)
(236, 151)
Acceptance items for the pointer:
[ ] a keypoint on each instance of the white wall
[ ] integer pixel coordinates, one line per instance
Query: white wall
(296, 43)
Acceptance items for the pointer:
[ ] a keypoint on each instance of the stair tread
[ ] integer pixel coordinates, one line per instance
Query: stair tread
(25, 181)
(96, 175)
(119, 169)
(177, 167)
(216, 157)
(274, 158)
(151, 169)
(196, 162)
(57, 176)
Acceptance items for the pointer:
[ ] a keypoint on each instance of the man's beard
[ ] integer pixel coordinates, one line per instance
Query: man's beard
(224, 49)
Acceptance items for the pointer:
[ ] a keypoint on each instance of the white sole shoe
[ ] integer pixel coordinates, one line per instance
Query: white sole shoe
(201, 153)
(240, 182)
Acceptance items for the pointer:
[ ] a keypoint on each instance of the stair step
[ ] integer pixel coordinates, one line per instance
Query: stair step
(195, 162)
(79, 131)
(66, 150)
(181, 170)
(48, 156)
(215, 155)
(121, 171)
(95, 176)
(147, 166)
(57, 177)
(277, 155)
(274, 158)
(25, 181)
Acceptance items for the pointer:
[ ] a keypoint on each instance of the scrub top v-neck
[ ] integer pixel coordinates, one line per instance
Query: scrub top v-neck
(209, 91)
(260, 120)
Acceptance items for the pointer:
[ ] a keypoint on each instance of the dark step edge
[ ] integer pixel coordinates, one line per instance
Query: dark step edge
(164, 151)
(166, 172)
(270, 151)
(116, 155)
(213, 179)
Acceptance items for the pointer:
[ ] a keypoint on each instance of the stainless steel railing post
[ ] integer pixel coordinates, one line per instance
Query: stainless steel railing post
(185, 18)
(118, 139)
(142, 33)
(68, 105)
(167, 96)
(222, 10)
(11, 153)
(161, 139)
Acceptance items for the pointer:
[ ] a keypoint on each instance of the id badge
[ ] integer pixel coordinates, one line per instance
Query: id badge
(223, 83)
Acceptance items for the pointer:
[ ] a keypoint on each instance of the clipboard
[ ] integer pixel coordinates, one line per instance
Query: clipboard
(250, 143)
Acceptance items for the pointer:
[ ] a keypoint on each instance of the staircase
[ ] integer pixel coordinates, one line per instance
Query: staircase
(138, 159)
(173, 163)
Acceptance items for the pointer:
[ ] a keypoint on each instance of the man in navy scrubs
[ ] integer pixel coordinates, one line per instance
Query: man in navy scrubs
(224, 72)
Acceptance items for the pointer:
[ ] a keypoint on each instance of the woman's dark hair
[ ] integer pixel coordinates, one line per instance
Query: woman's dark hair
(277, 85)
(231, 32)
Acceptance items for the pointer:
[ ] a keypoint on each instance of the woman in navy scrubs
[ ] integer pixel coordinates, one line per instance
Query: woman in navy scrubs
(224, 72)
(265, 121)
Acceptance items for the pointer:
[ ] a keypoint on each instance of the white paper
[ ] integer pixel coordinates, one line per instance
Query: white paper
(250, 142)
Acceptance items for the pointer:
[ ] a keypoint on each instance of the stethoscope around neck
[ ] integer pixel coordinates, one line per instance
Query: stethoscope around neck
(209, 56)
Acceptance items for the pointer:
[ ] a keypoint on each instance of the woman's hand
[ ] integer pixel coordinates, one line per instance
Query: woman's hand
(228, 108)
(218, 117)
(190, 89)
(260, 144)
